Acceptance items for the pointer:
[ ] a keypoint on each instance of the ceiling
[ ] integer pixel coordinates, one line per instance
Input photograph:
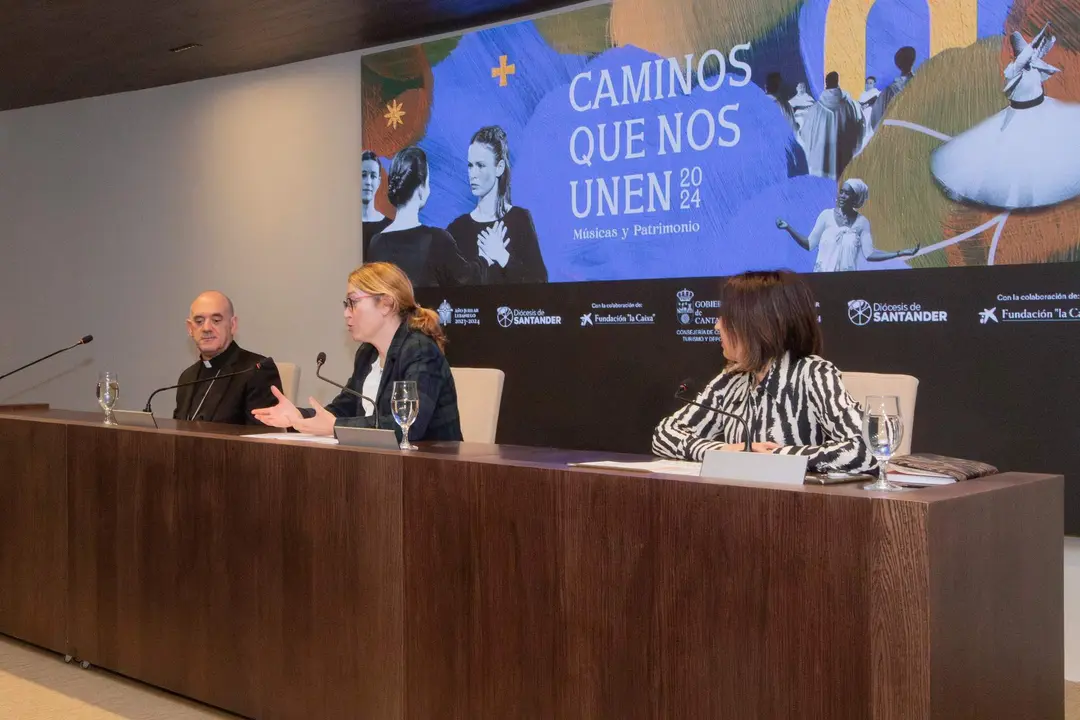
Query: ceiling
(56, 50)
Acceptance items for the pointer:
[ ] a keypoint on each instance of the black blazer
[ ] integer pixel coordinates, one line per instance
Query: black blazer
(230, 400)
(412, 355)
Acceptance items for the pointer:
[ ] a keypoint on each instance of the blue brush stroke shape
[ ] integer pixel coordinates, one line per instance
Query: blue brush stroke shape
(467, 98)
(748, 182)
(891, 25)
(778, 51)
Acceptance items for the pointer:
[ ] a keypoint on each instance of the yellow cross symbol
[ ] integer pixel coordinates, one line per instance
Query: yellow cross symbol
(503, 70)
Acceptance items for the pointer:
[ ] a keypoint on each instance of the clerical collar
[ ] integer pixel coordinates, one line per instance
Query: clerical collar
(221, 359)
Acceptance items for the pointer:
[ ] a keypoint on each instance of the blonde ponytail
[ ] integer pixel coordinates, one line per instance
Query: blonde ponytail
(427, 322)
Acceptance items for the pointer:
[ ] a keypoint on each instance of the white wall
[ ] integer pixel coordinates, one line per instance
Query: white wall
(116, 211)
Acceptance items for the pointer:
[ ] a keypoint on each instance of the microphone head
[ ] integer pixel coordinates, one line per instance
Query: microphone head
(265, 362)
(320, 359)
(86, 339)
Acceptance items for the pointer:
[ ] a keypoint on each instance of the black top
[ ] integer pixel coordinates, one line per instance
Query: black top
(230, 400)
(371, 229)
(526, 264)
(428, 255)
(412, 355)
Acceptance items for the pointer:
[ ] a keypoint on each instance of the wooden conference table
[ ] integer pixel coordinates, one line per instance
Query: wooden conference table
(291, 580)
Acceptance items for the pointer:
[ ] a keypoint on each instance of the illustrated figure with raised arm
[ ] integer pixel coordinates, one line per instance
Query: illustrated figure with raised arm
(841, 234)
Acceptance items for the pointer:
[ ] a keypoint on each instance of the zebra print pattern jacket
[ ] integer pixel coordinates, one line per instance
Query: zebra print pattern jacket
(800, 405)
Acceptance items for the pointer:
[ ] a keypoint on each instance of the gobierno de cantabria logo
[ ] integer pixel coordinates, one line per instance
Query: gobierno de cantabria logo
(683, 309)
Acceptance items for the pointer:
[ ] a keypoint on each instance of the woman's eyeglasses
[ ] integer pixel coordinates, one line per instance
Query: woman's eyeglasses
(351, 302)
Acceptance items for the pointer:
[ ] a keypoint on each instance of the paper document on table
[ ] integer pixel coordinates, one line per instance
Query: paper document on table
(671, 467)
(302, 437)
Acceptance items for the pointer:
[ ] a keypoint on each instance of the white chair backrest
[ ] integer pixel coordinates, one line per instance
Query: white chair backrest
(479, 394)
(290, 379)
(906, 387)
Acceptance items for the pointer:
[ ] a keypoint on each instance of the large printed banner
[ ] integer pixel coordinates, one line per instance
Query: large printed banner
(663, 139)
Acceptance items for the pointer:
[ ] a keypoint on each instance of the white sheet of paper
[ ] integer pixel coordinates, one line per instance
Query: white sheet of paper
(302, 437)
(671, 467)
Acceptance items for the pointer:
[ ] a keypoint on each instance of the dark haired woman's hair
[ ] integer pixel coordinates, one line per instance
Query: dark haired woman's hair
(495, 138)
(904, 59)
(770, 313)
(408, 172)
(369, 155)
(772, 82)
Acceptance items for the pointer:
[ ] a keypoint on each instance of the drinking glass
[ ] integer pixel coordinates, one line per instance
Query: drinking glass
(108, 392)
(883, 428)
(405, 403)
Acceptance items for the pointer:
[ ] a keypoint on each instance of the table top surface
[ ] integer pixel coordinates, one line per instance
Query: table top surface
(527, 456)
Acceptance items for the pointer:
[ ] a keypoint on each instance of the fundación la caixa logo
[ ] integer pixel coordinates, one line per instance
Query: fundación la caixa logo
(507, 317)
(1015, 307)
(862, 312)
(617, 313)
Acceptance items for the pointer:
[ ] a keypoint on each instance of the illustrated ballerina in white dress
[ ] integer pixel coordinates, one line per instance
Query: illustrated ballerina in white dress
(1025, 156)
(841, 236)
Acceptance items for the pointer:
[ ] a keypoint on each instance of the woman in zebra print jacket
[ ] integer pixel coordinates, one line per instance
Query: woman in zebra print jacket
(793, 400)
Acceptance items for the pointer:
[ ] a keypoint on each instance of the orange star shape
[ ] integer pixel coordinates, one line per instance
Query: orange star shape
(395, 111)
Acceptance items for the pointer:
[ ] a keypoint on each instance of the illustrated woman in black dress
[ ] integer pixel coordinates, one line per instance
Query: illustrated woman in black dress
(426, 254)
(497, 233)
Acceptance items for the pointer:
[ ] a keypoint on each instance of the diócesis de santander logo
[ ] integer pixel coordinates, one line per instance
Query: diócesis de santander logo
(507, 317)
(862, 312)
(859, 312)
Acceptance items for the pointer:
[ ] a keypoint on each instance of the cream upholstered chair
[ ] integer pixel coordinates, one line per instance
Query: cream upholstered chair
(479, 393)
(906, 387)
(290, 379)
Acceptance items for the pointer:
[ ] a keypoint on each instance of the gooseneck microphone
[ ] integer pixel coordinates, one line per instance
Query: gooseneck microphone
(320, 360)
(85, 339)
(265, 362)
(684, 388)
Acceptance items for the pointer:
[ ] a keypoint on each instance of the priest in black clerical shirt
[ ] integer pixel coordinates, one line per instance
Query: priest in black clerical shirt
(212, 325)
